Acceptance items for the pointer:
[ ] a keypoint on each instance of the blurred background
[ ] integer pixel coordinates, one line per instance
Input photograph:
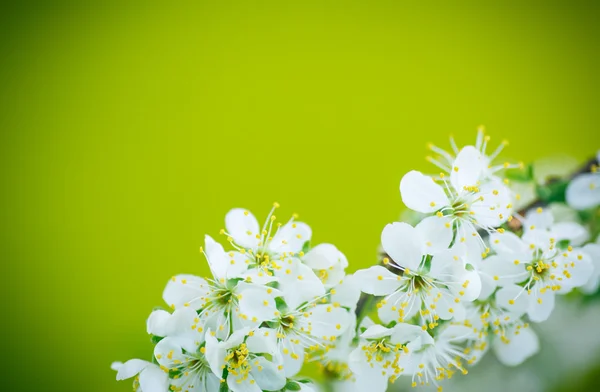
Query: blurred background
(127, 131)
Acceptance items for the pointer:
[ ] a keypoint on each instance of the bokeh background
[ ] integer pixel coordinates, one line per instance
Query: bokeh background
(127, 131)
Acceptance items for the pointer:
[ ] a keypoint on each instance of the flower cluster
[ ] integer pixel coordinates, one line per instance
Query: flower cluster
(270, 303)
(472, 273)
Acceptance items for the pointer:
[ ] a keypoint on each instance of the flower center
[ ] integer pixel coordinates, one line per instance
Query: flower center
(237, 362)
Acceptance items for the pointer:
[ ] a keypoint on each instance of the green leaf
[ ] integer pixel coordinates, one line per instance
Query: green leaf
(306, 247)
(520, 175)
(155, 339)
(292, 386)
(553, 191)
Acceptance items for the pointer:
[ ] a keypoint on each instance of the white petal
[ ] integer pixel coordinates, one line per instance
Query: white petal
(269, 378)
(456, 333)
(584, 191)
(402, 243)
(217, 259)
(404, 333)
(290, 237)
(488, 285)
(347, 293)
(467, 168)
(540, 310)
(377, 281)
(154, 379)
(235, 339)
(292, 365)
(507, 242)
(262, 340)
(593, 250)
(436, 233)
(540, 218)
(186, 291)
(579, 266)
(505, 269)
(376, 332)
(258, 303)
(243, 227)
(298, 283)
(131, 368)
(116, 366)
(157, 323)
(322, 256)
(519, 347)
(215, 354)
(568, 231)
(513, 298)
(421, 193)
(238, 384)
(183, 326)
(168, 353)
(328, 320)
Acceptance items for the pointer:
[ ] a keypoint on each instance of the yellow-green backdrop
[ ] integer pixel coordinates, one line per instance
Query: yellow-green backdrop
(128, 131)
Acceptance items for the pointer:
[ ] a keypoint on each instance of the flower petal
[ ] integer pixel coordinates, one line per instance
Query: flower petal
(593, 250)
(328, 320)
(154, 379)
(186, 290)
(513, 298)
(298, 283)
(262, 340)
(541, 307)
(520, 345)
(258, 303)
(322, 256)
(402, 243)
(467, 168)
(377, 281)
(243, 227)
(266, 374)
(131, 368)
(584, 191)
(239, 384)
(293, 357)
(421, 193)
(157, 323)
(290, 237)
(436, 233)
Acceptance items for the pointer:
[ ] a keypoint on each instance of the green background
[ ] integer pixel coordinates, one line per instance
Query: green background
(128, 131)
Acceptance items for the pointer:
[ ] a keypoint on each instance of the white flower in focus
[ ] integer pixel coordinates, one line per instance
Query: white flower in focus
(242, 357)
(435, 359)
(380, 351)
(489, 170)
(223, 303)
(268, 247)
(465, 202)
(191, 369)
(498, 319)
(430, 286)
(150, 378)
(311, 327)
(541, 268)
